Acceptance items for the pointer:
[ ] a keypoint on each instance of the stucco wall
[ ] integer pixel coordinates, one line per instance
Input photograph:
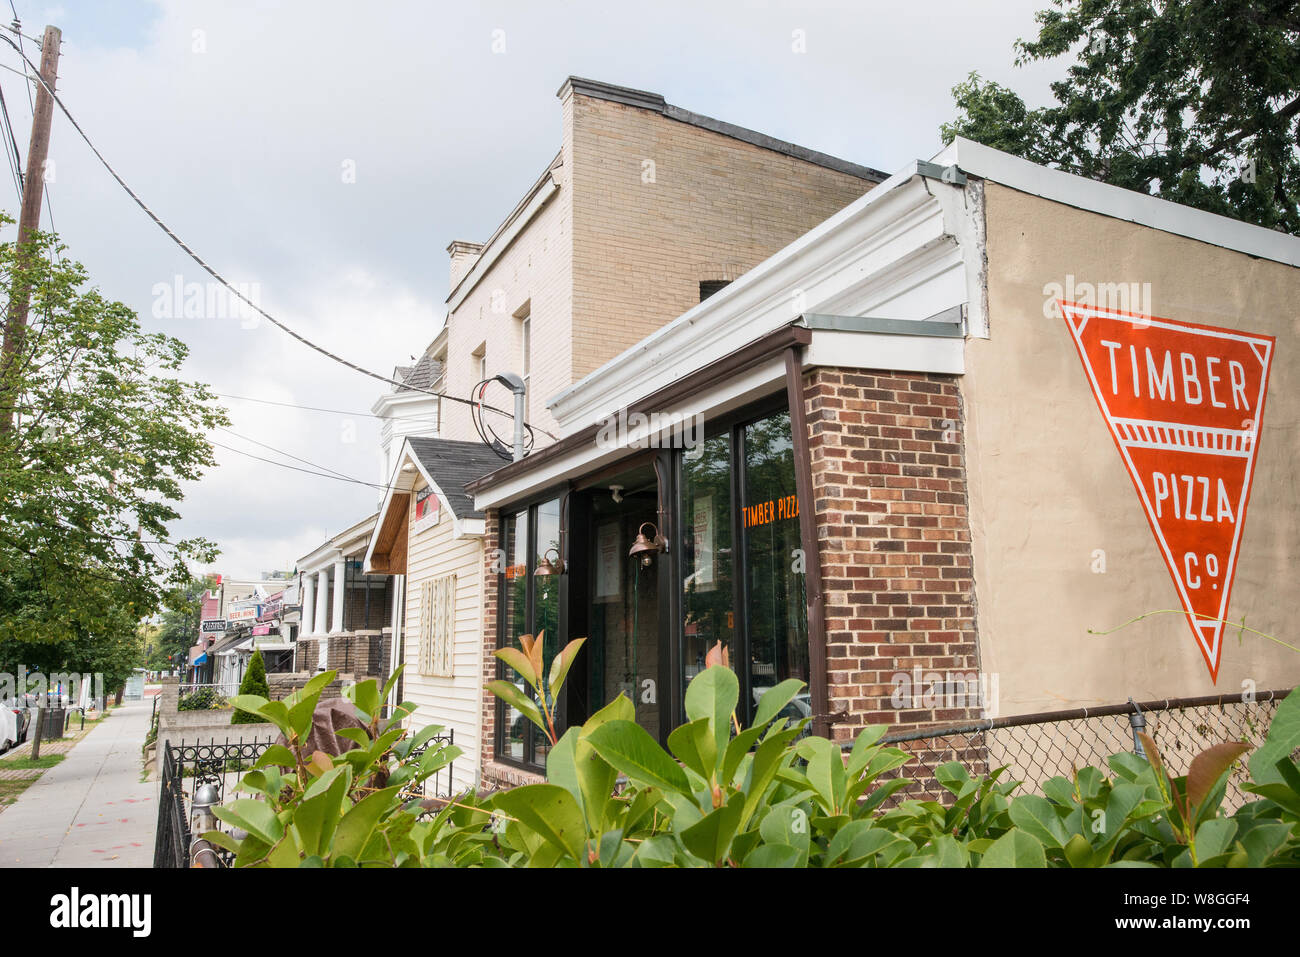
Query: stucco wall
(1051, 502)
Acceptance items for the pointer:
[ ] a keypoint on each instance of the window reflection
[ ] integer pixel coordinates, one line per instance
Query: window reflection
(708, 598)
(776, 603)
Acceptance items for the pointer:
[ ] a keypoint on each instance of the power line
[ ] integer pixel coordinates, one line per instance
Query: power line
(285, 465)
(279, 451)
(314, 408)
(211, 271)
(14, 157)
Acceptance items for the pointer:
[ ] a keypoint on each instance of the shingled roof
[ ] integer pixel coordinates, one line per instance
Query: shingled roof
(452, 464)
(422, 375)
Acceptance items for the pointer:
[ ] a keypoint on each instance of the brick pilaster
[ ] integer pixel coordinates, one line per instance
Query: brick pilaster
(889, 485)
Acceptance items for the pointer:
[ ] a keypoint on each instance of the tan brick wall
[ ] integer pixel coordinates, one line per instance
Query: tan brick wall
(717, 208)
(889, 485)
(611, 258)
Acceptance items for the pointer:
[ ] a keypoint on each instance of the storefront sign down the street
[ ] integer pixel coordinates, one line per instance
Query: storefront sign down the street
(1184, 404)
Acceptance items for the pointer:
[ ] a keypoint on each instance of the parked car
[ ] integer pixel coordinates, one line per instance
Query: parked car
(15, 720)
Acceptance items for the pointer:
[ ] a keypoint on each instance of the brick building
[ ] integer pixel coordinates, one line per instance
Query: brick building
(874, 462)
(645, 210)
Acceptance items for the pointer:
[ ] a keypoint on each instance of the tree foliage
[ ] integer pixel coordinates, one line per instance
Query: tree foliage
(90, 476)
(1194, 101)
(178, 629)
(254, 683)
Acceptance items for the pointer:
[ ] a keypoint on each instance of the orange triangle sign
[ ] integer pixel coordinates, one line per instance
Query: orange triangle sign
(1184, 403)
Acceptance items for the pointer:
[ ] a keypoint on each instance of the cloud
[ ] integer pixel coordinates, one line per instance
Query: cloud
(326, 155)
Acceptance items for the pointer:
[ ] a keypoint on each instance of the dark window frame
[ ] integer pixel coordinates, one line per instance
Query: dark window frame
(506, 519)
(672, 572)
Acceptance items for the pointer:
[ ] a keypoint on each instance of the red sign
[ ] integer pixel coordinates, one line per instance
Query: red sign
(1183, 403)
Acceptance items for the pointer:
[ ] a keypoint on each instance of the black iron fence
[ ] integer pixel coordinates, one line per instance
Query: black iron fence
(189, 767)
(1037, 747)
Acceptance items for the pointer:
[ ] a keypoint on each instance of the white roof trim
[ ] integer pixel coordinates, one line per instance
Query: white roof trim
(401, 481)
(501, 243)
(976, 159)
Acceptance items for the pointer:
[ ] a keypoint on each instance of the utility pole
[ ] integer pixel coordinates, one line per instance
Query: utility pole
(38, 150)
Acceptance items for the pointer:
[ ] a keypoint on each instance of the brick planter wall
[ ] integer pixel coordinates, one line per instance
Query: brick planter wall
(889, 485)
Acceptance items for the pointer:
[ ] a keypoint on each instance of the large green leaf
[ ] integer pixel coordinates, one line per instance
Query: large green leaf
(511, 695)
(863, 747)
(774, 699)
(272, 711)
(773, 855)
(713, 693)
(710, 838)
(773, 756)
(550, 812)
(255, 817)
(358, 824)
(695, 746)
(561, 663)
(629, 748)
(825, 772)
(520, 662)
(787, 824)
(278, 755)
(316, 818)
(737, 748)
(1015, 848)
(1214, 837)
(561, 764)
(1282, 741)
(1207, 767)
(1036, 815)
(365, 695)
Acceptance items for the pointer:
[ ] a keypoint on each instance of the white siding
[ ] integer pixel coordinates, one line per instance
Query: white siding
(453, 702)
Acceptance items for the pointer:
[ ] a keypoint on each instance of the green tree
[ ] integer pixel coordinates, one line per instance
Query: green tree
(91, 473)
(178, 629)
(1194, 101)
(254, 683)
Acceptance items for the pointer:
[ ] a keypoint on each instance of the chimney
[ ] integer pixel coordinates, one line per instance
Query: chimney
(463, 256)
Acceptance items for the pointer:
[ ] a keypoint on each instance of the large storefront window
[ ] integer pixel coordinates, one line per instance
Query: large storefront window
(729, 586)
(776, 606)
(530, 604)
(708, 598)
(746, 606)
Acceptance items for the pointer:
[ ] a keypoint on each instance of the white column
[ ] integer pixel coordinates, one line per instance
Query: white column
(322, 625)
(336, 617)
(307, 624)
(319, 623)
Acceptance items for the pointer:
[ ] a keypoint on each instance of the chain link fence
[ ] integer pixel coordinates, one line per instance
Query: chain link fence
(1037, 747)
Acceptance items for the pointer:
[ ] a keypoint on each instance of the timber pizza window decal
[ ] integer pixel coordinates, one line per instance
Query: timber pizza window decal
(1184, 404)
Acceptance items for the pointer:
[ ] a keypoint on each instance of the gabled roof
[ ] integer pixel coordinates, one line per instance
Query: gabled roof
(447, 465)
(451, 465)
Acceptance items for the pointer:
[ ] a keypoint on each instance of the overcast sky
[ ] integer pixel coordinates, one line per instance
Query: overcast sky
(237, 123)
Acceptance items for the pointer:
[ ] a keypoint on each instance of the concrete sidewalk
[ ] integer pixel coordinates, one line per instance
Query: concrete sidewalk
(91, 809)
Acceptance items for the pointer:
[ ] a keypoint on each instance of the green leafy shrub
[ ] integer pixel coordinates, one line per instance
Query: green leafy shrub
(725, 796)
(254, 683)
(204, 699)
